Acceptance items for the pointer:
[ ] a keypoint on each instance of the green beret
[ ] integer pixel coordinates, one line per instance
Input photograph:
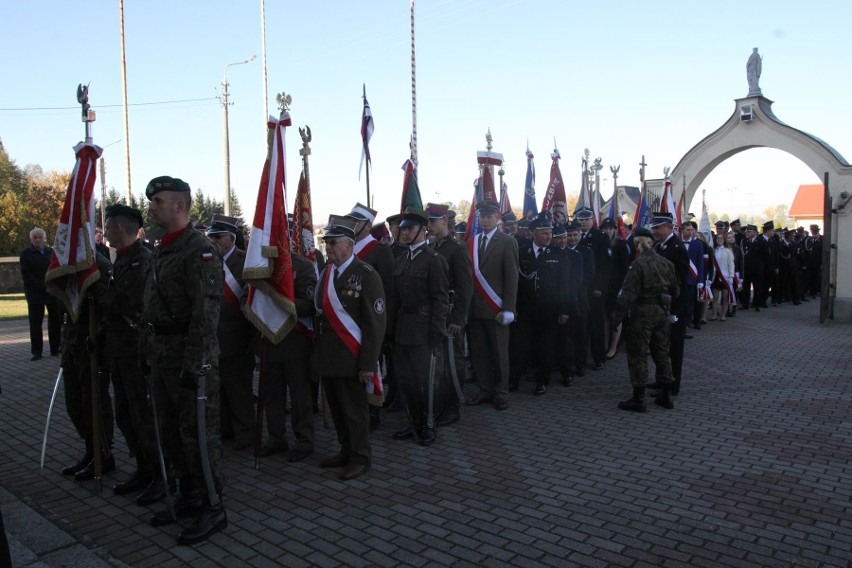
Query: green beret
(121, 210)
(643, 232)
(166, 183)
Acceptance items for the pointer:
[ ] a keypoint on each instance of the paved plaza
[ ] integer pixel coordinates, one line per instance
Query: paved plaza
(751, 468)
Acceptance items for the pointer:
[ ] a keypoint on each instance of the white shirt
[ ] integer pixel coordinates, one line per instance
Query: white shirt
(342, 268)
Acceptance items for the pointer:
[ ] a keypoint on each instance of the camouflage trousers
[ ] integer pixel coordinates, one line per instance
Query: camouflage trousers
(133, 414)
(77, 378)
(648, 331)
(177, 413)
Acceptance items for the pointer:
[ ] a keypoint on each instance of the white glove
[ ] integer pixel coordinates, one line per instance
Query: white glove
(700, 286)
(505, 318)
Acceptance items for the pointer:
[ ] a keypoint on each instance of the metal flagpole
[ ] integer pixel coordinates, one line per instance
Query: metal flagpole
(124, 93)
(263, 49)
(413, 93)
(364, 96)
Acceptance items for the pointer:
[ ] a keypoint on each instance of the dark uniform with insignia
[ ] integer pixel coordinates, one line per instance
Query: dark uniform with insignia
(418, 313)
(599, 245)
(648, 291)
(579, 325)
(755, 259)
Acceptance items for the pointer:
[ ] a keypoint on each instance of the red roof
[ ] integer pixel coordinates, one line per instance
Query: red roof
(808, 202)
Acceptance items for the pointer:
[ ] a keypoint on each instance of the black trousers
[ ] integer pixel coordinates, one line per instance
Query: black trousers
(35, 312)
(532, 341)
(597, 327)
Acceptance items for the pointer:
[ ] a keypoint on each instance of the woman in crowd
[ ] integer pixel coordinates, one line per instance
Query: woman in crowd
(723, 283)
(731, 243)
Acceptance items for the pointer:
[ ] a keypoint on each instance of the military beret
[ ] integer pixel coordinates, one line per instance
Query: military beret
(121, 210)
(643, 232)
(166, 183)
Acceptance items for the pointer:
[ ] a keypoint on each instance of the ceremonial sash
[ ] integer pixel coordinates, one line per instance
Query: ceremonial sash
(693, 271)
(480, 284)
(233, 290)
(348, 331)
(729, 285)
(365, 246)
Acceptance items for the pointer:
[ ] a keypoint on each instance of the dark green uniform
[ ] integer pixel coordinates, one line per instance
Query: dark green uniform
(182, 301)
(648, 278)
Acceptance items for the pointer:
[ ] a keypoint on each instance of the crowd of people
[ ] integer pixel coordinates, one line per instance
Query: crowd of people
(398, 317)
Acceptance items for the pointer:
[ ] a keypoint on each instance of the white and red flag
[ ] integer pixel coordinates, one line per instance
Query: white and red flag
(367, 128)
(555, 192)
(73, 267)
(667, 204)
(303, 233)
(268, 270)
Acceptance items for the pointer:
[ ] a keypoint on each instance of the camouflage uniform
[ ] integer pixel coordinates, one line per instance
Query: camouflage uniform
(648, 277)
(181, 315)
(122, 303)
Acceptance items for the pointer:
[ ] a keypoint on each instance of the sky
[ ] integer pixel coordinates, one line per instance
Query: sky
(621, 78)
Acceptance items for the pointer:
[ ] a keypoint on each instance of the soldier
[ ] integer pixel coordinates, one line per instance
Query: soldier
(460, 230)
(183, 295)
(813, 249)
(671, 248)
(34, 262)
(418, 313)
(619, 255)
(546, 297)
(461, 291)
(579, 326)
(510, 223)
(592, 238)
(494, 260)
(755, 258)
(288, 366)
(351, 302)
(564, 341)
(648, 290)
(122, 303)
(236, 361)
(770, 266)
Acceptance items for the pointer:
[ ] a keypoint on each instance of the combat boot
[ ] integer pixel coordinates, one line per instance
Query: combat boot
(187, 505)
(664, 397)
(71, 470)
(636, 403)
(211, 520)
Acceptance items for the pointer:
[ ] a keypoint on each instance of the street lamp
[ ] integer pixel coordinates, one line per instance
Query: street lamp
(227, 142)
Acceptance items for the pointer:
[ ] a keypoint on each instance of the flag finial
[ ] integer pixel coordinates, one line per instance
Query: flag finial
(284, 101)
(488, 140)
(306, 139)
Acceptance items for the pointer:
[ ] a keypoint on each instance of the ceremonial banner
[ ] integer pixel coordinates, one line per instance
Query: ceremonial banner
(473, 227)
(642, 216)
(303, 234)
(667, 204)
(530, 206)
(268, 270)
(615, 211)
(584, 201)
(505, 206)
(410, 188)
(73, 267)
(681, 212)
(367, 128)
(555, 192)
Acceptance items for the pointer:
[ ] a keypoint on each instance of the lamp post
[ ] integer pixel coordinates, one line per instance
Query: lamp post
(227, 136)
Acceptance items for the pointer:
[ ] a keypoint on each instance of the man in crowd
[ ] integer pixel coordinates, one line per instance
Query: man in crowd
(34, 262)
(594, 239)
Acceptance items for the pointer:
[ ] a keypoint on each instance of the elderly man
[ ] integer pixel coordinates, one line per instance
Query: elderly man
(34, 262)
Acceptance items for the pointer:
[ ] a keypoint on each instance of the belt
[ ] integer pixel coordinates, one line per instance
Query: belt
(167, 329)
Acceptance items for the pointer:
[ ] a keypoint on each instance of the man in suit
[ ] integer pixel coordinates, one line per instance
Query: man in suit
(770, 267)
(461, 290)
(755, 258)
(350, 300)
(579, 326)
(417, 310)
(34, 262)
(594, 239)
(565, 340)
(671, 248)
(495, 275)
(695, 276)
(545, 297)
(236, 362)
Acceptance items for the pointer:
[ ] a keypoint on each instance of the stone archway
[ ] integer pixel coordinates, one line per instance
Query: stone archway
(754, 125)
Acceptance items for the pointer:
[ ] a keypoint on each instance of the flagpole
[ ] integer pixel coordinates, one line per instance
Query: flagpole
(364, 87)
(413, 93)
(124, 96)
(263, 49)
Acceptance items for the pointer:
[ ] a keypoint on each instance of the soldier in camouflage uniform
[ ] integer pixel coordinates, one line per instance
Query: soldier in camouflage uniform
(122, 303)
(647, 292)
(182, 300)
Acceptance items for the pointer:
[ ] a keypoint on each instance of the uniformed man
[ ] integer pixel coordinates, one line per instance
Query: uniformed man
(494, 260)
(736, 230)
(350, 299)
(236, 361)
(460, 230)
(579, 325)
(546, 297)
(418, 313)
(593, 238)
(397, 248)
(770, 266)
(510, 223)
(648, 290)
(460, 277)
(564, 341)
(755, 258)
(183, 295)
(813, 250)
(523, 235)
(671, 248)
(123, 305)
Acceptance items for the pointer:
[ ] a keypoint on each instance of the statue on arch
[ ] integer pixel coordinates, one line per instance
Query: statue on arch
(753, 69)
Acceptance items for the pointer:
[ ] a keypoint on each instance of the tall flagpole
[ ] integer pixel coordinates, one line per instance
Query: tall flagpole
(369, 202)
(263, 49)
(124, 92)
(413, 93)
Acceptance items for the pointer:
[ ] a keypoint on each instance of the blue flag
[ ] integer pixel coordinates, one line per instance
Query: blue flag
(530, 207)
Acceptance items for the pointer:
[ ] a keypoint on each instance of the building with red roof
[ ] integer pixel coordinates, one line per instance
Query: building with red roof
(808, 206)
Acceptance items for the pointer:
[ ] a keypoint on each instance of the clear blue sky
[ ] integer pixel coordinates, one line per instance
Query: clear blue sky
(621, 78)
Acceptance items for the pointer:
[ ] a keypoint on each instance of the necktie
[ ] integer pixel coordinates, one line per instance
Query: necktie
(538, 253)
(336, 273)
(582, 236)
(483, 242)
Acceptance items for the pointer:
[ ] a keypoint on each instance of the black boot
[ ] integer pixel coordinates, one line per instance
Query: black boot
(139, 480)
(636, 403)
(427, 436)
(88, 472)
(154, 492)
(664, 397)
(211, 520)
(186, 506)
(675, 387)
(73, 469)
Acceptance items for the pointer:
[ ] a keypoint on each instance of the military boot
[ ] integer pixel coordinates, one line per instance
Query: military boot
(636, 403)
(188, 504)
(664, 397)
(71, 470)
(675, 387)
(211, 520)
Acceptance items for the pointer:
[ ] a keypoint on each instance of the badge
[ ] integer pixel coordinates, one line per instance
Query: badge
(207, 256)
(379, 306)
(211, 279)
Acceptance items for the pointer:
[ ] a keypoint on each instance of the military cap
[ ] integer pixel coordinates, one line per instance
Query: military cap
(437, 210)
(488, 207)
(340, 226)
(769, 226)
(362, 213)
(166, 183)
(643, 232)
(380, 230)
(584, 213)
(720, 223)
(524, 224)
(751, 228)
(413, 216)
(735, 222)
(509, 217)
(572, 227)
(559, 230)
(394, 219)
(461, 228)
(121, 210)
(220, 227)
(541, 222)
(608, 222)
(660, 218)
(814, 227)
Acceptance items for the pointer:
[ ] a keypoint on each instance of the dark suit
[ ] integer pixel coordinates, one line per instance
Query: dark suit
(579, 325)
(34, 263)
(674, 251)
(338, 367)
(755, 259)
(236, 362)
(565, 334)
(489, 340)
(599, 244)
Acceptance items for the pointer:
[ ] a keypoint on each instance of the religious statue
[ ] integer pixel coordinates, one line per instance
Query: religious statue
(753, 68)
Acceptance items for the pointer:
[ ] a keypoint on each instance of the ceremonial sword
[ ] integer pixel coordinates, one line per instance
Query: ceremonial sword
(49, 413)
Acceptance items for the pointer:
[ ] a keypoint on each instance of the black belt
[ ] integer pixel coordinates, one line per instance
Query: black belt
(167, 329)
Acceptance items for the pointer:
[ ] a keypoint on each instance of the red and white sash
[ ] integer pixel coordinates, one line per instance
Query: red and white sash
(729, 283)
(346, 328)
(233, 290)
(365, 246)
(480, 284)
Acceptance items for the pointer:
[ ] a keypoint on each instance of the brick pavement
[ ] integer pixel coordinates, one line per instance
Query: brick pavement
(751, 468)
